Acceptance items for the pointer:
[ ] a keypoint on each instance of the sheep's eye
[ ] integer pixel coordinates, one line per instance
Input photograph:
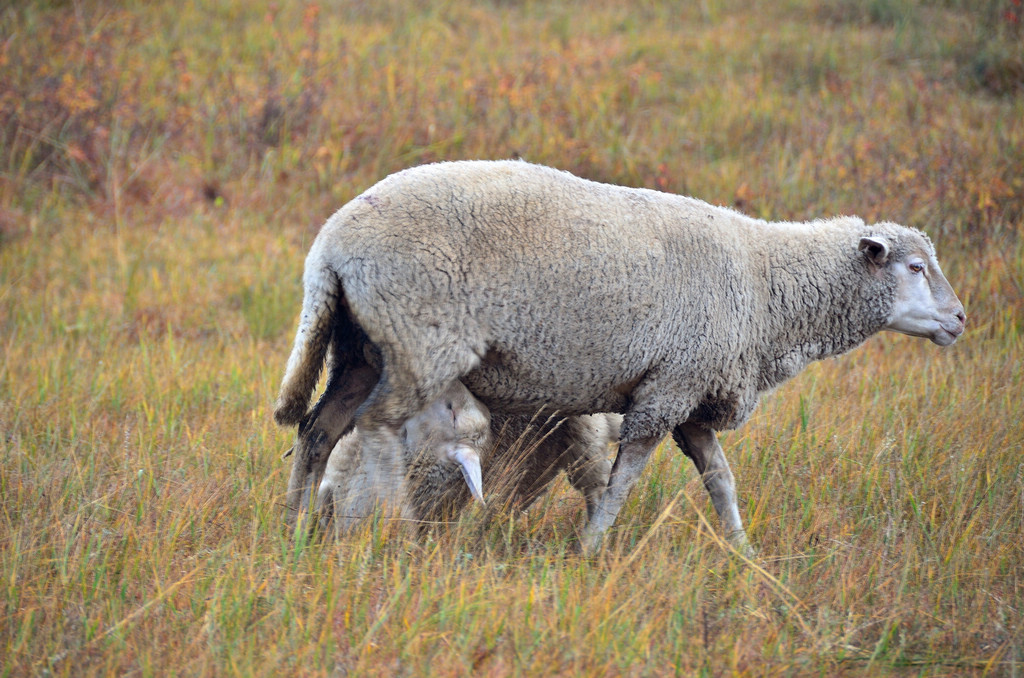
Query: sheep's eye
(917, 267)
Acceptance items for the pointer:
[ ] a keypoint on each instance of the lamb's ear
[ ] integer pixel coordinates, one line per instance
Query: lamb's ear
(875, 248)
(469, 461)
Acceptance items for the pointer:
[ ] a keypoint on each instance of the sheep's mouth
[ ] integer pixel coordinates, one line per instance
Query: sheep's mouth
(948, 333)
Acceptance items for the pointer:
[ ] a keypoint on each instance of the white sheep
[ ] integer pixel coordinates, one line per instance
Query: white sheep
(526, 455)
(538, 289)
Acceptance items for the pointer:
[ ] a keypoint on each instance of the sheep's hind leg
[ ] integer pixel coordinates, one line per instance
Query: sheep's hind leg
(330, 418)
(701, 445)
(629, 464)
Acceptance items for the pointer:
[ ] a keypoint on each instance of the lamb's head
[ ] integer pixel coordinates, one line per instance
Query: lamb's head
(456, 427)
(924, 304)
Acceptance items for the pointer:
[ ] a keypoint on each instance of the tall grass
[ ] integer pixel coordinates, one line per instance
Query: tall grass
(163, 169)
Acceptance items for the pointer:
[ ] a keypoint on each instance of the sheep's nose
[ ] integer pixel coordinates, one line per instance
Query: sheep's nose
(962, 322)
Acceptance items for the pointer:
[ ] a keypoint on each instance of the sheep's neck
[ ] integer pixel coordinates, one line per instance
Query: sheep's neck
(813, 317)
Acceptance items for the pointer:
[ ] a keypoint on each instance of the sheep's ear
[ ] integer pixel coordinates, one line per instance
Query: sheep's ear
(876, 249)
(469, 462)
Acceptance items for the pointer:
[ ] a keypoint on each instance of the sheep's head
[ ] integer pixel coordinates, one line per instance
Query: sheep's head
(924, 304)
(456, 427)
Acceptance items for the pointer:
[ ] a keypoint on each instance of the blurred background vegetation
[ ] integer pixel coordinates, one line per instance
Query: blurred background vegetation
(163, 170)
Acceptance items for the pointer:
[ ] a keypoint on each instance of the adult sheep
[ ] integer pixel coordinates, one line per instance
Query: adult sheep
(525, 455)
(539, 289)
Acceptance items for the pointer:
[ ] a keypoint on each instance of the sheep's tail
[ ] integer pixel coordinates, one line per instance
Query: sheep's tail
(322, 301)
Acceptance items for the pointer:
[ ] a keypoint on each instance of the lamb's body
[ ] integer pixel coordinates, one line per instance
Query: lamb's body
(521, 454)
(540, 289)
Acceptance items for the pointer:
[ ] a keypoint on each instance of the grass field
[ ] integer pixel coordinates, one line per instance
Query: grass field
(163, 170)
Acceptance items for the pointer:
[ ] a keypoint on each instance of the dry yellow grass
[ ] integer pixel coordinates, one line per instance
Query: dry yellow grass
(163, 169)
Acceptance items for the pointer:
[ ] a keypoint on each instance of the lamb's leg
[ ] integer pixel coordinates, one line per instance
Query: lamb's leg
(701, 445)
(330, 418)
(629, 464)
(589, 466)
(590, 478)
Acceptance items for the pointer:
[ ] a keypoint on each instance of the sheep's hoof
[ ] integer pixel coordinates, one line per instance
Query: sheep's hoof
(590, 543)
(738, 540)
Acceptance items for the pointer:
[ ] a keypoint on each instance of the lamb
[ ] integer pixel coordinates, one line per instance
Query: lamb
(455, 427)
(541, 290)
(458, 424)
(458, 428)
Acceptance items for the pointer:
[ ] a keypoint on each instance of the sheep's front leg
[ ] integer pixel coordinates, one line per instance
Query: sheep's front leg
(629, 464)
(701, 445)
